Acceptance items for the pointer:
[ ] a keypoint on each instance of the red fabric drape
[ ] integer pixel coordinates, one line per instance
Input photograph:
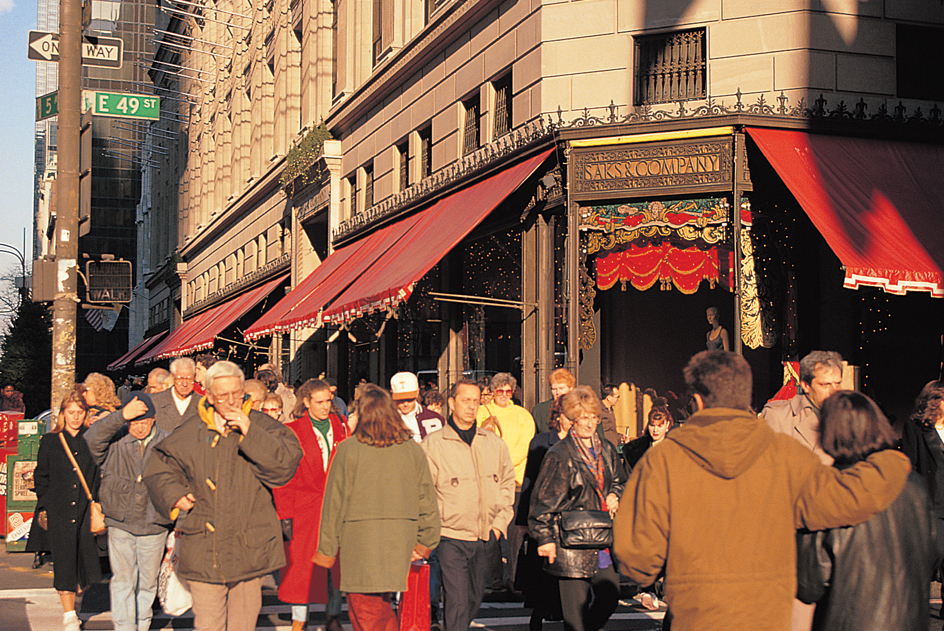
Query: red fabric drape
(643, 266)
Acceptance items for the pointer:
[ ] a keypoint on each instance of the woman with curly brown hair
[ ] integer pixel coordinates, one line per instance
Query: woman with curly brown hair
(922, 440)
(380, 510)
(575, 497)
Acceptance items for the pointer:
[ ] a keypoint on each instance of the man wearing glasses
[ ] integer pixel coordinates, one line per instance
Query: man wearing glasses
(214, 475)
(177, 405)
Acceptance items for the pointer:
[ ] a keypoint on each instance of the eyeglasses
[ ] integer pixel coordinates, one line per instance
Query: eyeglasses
(183, 379)
(504, 391)
(229, 397)
(268, 410)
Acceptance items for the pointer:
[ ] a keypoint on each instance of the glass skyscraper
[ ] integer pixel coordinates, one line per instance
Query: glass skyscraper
(116, 159)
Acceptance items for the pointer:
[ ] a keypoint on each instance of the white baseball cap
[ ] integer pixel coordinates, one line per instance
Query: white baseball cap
(404, 386)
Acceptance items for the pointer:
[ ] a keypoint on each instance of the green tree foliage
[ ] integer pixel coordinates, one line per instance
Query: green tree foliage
(26, 355)
(301, 158)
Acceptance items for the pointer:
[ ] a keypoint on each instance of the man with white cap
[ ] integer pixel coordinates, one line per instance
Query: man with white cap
(405, 390)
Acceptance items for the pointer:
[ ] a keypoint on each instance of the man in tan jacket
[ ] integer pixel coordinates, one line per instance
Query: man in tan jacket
(475, 485)
(798, 417)
(717, 505)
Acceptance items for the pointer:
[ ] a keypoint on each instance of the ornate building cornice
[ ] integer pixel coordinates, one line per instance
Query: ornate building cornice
(761, 110)
(256, 277)
(513, 142)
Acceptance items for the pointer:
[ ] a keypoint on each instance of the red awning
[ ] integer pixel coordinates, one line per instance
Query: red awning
(143, 347)
(302, 305)
(432, 234)
(876, 202)
(176, 337)
(198, 332)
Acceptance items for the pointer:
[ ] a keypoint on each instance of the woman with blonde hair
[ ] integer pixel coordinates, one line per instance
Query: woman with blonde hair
(100, 396)
(575, 497)
(380, 511)
(63, 508)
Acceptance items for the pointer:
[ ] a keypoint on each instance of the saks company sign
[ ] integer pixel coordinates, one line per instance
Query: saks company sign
(655, 169)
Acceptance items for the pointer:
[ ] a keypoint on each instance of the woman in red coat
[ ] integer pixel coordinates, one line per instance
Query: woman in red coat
(319, 431)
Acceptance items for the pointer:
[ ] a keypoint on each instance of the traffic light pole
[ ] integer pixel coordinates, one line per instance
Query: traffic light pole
(67, 215)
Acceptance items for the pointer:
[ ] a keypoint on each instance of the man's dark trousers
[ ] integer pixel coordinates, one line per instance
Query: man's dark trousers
(465, 566)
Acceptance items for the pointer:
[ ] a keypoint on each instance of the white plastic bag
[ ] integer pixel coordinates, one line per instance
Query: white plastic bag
(172, 590)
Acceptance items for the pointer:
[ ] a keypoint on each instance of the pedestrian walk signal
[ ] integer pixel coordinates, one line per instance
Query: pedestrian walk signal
(108, 282)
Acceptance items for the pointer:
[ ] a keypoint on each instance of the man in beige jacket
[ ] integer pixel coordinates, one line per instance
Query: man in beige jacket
(475, 486)
(798, 417)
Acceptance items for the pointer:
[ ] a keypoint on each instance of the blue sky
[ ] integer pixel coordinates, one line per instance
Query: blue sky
(17, 113)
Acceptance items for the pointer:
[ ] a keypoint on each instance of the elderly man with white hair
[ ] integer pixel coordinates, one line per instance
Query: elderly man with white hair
(177, 404)
(214, 475)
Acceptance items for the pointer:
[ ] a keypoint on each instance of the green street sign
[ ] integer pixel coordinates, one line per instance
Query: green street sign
(123, 105)
(104, 104)
(47, 106)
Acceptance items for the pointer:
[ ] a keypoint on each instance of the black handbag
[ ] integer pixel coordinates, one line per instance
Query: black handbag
(585, 529)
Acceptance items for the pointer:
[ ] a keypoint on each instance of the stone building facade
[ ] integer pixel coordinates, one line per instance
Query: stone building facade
(426, 100)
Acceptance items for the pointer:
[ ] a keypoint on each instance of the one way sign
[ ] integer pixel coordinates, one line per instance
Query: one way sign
(96, 51)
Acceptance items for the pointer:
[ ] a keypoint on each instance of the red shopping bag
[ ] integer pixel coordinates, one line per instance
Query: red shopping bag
(414, 602)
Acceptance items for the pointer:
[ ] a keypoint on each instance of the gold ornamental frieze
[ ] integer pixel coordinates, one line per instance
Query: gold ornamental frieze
(608, 226)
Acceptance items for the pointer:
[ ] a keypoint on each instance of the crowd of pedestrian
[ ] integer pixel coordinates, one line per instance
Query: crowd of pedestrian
(805, 516)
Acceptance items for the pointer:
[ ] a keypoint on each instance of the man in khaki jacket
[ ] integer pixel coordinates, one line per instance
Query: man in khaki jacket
(798, 417)
(475, 486)
(717, 505)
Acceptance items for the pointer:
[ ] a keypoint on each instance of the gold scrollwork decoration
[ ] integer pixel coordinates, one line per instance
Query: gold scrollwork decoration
(588, 292)
(597, 241)
(751, 333)
(755, 328)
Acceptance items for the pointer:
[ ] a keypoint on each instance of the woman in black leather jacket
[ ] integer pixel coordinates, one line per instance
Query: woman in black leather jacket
(580, 473)
(873, 576)
(922, 440)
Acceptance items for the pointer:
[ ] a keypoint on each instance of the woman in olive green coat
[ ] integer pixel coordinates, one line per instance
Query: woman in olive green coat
(379, 510)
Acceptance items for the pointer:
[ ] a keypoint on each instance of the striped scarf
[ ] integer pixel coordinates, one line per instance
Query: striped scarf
(592, 456)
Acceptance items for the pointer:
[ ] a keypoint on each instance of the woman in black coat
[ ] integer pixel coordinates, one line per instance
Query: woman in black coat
(922, 442)
(659, 423)
(581, 473)
(873, 576)
(60, 494)
(657, 428)
(541, 590)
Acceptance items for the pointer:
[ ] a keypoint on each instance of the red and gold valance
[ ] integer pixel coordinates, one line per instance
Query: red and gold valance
(643, 266)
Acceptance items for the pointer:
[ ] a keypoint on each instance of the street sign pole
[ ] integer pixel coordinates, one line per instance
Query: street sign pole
(67, 216)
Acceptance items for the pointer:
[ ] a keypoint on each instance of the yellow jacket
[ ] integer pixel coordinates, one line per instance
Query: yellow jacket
(517, 430)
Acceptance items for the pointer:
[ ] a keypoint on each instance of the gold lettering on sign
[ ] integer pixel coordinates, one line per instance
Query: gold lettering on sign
(654, 166)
